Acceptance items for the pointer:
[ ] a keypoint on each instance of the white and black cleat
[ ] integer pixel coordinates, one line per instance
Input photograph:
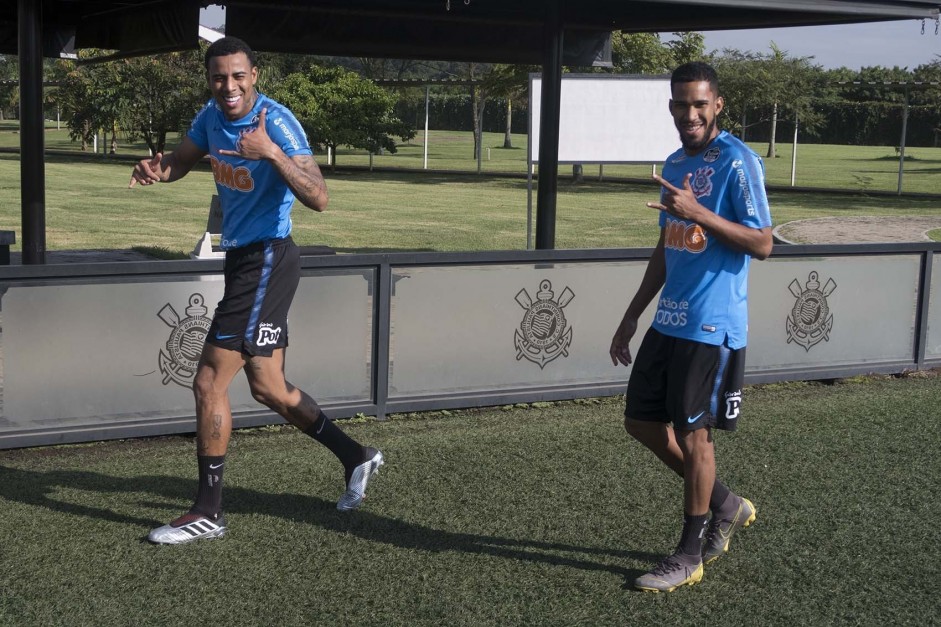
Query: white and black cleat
(187, 528)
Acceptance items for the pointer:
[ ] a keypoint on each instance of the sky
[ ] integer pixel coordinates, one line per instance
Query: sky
(854, 46)
(851, 45)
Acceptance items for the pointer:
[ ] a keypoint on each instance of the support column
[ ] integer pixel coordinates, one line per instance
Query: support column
(550, 105)
(32, 141)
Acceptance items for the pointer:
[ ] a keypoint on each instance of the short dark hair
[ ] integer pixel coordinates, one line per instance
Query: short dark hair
(226, 46)
(694, 72)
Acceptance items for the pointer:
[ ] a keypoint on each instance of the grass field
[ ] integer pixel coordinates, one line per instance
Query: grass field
(863, 168)
(88, 205)
(514, 516)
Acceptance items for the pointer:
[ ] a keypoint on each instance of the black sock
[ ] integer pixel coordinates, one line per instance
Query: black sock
(347, 450)
(209, 495)
(720, 492)
(693, 529)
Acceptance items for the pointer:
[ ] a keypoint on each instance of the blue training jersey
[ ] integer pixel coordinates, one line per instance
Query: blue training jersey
(256, 202)
(705, 296)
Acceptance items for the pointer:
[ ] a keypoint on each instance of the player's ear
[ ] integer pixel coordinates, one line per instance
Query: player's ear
(670, 106)
(720, 104)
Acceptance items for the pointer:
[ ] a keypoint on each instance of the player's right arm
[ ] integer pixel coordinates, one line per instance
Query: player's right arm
(653, 280)
(163, 168)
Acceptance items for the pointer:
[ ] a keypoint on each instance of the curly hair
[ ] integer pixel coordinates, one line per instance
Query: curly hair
(226, 46)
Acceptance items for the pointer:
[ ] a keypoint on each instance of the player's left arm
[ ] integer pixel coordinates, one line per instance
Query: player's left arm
(682, 203)
(303, 176)
(300, 172)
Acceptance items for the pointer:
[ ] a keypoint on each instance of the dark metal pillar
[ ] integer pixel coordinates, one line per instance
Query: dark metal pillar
(550, 104)
(32, 142)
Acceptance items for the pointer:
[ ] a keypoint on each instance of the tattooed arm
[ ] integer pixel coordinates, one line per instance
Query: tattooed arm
(301, 172)
(303, 176)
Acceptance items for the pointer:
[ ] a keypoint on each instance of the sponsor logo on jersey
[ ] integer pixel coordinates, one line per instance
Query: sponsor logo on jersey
(712, 155)
(671, 313)
(702, 181)
(746, 189)
(185, 345)
(679, 235)
(238, 179)
(810, 321)
(288, 135)
(544, 334)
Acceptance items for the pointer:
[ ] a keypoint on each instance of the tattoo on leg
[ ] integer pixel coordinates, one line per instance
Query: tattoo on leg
(216, 427)
(307, 410)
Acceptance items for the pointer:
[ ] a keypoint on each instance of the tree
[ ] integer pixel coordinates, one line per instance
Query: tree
(773, 83)
(162, 93)
(338, 107)
(92, 98)
(646, 53)
(640, 53)
(510, 83)
(10, 93)
(148, 98)
(930, 96)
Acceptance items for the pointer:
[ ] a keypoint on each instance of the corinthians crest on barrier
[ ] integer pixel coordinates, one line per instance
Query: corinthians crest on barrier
(178, 363)
(543, 334)
(810, 321)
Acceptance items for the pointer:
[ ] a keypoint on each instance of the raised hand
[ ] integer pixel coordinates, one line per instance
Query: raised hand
(678, 202)
(254, 143)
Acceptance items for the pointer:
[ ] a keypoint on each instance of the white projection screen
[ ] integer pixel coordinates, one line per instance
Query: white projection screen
(608, 118)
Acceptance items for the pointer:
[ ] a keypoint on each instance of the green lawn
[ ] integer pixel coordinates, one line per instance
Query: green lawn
(88, 205)
(862, 168)
(514, 516)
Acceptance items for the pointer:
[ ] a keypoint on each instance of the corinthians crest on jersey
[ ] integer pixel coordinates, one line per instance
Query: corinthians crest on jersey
(185, 344)
(810, 321)
(543, 334)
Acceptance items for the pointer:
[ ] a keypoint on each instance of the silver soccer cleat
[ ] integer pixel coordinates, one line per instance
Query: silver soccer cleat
(356, 487)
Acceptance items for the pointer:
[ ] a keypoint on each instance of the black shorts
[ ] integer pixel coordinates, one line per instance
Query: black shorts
(260, 281)
(691, 384)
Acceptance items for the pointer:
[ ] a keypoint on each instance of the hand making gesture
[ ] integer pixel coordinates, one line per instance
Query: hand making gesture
(147, 171)
(254, 143)
(680, 203)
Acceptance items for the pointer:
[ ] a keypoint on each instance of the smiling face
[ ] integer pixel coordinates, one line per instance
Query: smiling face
(695, 108)
(232, 83)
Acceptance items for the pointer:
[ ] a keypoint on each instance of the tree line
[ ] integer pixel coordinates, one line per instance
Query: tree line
(152, 99)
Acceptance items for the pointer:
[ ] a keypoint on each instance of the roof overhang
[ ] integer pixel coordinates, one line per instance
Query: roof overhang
(480, 30)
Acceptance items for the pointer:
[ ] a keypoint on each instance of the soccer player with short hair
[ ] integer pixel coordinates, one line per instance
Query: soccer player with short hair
(687, 378)
(261, 162)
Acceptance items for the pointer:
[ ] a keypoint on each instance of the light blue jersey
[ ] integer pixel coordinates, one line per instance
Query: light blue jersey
(705, 297)
(256, 202)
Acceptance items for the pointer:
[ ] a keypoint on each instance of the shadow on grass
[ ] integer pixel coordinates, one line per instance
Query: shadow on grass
(33, 488)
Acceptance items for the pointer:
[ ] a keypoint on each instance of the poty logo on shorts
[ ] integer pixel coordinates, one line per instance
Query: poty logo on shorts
(733, 404)
(267, 334)
(185, 345)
